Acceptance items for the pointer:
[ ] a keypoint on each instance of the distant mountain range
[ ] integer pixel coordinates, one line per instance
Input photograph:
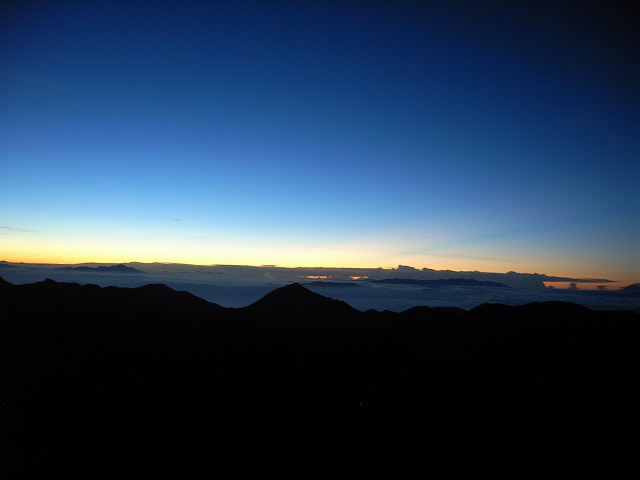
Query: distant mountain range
(103, 269)
(449, 282)
(441, 282)
(511, 279)
(154, 380)
(630, 290)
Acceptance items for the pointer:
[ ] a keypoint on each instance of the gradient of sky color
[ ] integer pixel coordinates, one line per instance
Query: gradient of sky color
(462, 135)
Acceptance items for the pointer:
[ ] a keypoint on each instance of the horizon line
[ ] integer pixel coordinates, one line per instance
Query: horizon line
(552, 278)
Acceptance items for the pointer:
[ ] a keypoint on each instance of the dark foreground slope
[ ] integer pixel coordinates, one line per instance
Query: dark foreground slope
(158, 381)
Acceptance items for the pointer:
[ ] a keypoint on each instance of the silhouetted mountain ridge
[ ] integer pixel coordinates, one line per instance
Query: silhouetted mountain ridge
(152, 379)
(461, 282)
(104, 269)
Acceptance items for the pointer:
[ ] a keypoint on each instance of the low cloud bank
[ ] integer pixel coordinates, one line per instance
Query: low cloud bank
(238, 286)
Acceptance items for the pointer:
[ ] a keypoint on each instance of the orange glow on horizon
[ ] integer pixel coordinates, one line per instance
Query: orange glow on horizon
(64, 250)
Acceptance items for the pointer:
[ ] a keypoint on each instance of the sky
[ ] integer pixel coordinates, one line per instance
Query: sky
(489, 136)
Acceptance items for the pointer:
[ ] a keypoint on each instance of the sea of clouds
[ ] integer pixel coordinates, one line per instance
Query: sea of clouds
(237, 286)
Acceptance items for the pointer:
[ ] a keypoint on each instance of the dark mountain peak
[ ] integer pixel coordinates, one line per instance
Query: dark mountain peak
(293, 310)
(120, 268)
(165, 297)
(294, 292)
(296, 288)
(296, 298)
(630, 290)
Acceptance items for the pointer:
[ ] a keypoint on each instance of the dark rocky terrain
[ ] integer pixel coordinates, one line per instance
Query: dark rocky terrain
(155, 381)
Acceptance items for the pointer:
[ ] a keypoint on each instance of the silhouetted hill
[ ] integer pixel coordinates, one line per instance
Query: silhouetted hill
(158, 381)
(297, 299)
(296, 309)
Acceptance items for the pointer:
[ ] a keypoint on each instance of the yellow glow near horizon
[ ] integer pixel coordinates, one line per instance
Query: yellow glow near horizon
(63, 250)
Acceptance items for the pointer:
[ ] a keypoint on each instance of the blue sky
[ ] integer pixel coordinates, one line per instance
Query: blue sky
(495, 137)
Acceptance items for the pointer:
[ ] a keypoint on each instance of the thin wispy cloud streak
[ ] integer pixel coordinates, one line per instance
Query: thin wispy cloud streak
(16, 229)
